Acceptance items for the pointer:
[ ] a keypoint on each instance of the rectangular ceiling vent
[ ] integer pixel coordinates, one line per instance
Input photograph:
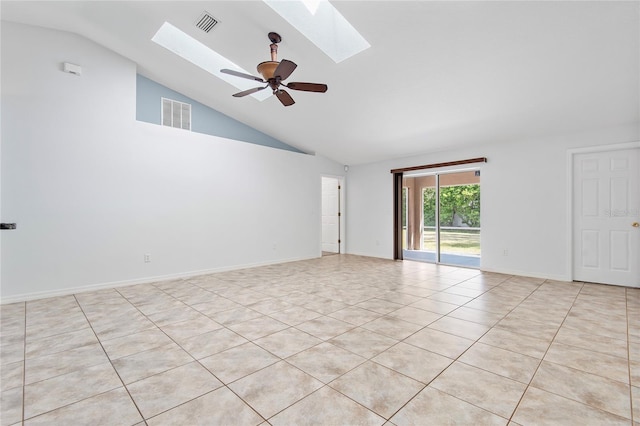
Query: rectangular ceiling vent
(206, 22)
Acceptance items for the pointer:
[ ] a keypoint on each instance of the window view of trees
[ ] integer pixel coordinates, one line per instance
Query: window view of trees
(459, 204)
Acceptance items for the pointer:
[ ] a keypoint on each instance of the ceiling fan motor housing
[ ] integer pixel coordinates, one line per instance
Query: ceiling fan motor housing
(267, 69)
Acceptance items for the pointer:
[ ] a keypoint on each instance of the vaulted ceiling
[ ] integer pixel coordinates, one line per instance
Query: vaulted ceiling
(438, 75)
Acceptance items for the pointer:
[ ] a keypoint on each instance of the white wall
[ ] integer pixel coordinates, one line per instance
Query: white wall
(523, 201)
(92, 190)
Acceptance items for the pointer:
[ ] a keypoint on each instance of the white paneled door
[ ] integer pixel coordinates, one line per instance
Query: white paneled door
(330, 215)
(606, 217)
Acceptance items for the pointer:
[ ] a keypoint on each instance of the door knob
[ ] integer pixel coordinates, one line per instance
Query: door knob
(635, 224)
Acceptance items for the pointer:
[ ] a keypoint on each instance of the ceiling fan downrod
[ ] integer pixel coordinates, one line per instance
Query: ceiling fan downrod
(267, 69)
(275, 39)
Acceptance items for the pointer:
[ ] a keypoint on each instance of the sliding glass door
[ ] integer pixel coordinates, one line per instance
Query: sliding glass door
(441, 217)
(459, 215)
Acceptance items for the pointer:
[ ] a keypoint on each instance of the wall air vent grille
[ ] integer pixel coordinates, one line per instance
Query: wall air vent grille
(206, 22)
(176, 114)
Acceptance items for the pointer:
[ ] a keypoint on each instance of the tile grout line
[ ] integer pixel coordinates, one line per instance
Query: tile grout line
(110, 361)
(248, 341)
(541, 359)
(461, 354)
(74, 402)
(225, 385)
(457, 359)
(327, 341)
(253, 286)
(626, 305)
(326, 385)
(583, 371)
(24, 363)
(545, 353)
(173, 368)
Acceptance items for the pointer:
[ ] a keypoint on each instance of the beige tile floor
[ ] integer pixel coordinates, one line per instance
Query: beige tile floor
(337, 340)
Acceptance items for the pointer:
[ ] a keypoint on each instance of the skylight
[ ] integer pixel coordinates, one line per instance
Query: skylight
(187, 47)
(323, 25)
(312, 5)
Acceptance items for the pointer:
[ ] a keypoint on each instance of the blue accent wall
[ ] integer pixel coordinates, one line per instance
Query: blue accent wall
(203, 119)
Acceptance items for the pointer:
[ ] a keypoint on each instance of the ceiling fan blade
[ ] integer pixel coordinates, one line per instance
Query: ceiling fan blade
(308, 87)
(248, 92)
(284, 97)
(241, 74)
(284, 69)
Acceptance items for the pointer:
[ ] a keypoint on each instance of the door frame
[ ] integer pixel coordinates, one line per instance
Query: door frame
(569, 221)
(341, 207)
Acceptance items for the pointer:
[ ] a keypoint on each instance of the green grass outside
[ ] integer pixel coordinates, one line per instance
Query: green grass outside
(452, 241)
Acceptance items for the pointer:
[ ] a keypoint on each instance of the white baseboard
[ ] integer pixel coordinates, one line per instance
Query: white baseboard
(144, 280)
(519, 273)
(529, 274)
(375, 256)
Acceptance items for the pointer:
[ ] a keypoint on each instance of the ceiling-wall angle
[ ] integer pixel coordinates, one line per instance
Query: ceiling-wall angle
(206, 22)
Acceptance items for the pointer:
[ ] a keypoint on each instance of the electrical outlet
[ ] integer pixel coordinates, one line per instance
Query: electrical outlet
(505, 252)
(147, 258)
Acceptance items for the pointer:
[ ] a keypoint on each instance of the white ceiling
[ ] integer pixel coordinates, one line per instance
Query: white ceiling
(439, 75)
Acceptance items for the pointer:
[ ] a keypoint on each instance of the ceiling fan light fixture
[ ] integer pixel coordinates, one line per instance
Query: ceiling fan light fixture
(267, 69)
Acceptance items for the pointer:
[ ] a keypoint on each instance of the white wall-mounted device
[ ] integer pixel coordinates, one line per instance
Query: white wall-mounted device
(72, 68)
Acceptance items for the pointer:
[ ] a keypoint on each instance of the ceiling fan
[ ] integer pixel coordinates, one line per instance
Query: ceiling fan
(273, 74)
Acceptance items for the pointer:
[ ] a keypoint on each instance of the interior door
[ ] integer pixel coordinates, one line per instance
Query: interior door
(330, 215)
(606, 213)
